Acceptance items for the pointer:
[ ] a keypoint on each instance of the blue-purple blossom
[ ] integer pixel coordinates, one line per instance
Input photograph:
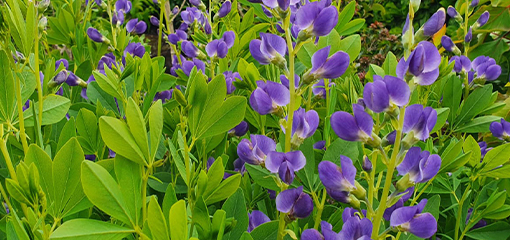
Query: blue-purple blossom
(270, 49)
(483, 148)
(285, 164)
(195, 2)
(435, 23)
(404, 196)
(269, 97)
(474, 3)
(216, 48)
(230, 78)
(452, 12)
(355, 228)
(178, 36)
(422, 63)
(327, 233)
(95, 35)
(122, 7)
(304, 125)
(421, 166)
(135, 49)
(483, 19)
(357, 127)
(109, 59)
(411, 219)
(187, 66)
(479, 224)
(327, 67)
(385, 93)
(367, 164)
(285, 81)
(447, 43)
(154, 21)
(256, 218)
(283, 4)
(469, 35)
(295, 203)
(338, 180)
(240, 129)
(320, 145)
(255, 151)
(462, 63)
(62, 61)
(136, 26)
(225, 9)
(316, 19)
(486, 68)
(189, 49)
(163, 95)
(319, 90)
(500, 129)
(420, 121)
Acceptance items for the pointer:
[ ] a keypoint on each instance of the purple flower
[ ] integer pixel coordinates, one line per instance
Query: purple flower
(225, 9)
(355, 228)
(327, 67)
(229, 38)
(339, 181)
(352, 128)
(61, 61)
(483, 148)
(320, 145)
(216, 48)
(73, 80)
(230, 78)
(469, 35)
(240, 129)
(452, 12)
(178, 36)
(367, 164)
(295, 203)
(118, 18)
(195, 2)
(136, 26)
(327, 233)
(256, 218)
(420, 166)
(285, 164)
(312, 234)
(95, 35)
(304, 125)
(187, 66)
(26, 105)
(384, 93)
(164, 95)
(435, 23)
(486, 68)
(411, 219)
(269, 97)
(422, 63)
(400, 203)
(283, 4)
(474, 3)
(483, 19)
(462, 63)
(255, 151)
(420, 121)
(270, 49)
(285, 81)
(108, 59)
(154, 21)
(135, 49)
(500, 129)
(316, 19)
(447, 43)
(123, 5)
(189, 49)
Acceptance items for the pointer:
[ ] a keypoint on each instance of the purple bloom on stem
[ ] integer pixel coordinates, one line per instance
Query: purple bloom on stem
(270, 49)
(356, 229)
(225, 9)
(59, 78)
(295, 203)
(187, 66)
(352, 128)
(230, 78)
(135, 49)
(447, 43)
(73, 80)
(420, 121)
(422, 63)
(285, 81)
(108, 59)
(216, 48)
(469, 35)
(483, 148)
(319, 90)
(229, 38)
(400, 203)
(420, 166)
(462, 63)
(384, 93)
(435, 23)
(195, 2)
(338, 178)
(178, 36)
(486, 68)
(123, 5)
(304, 124)
(95, 35)
(411, 219)
(189, 49)
(285, 164)
(61, 61)
(269, 97)
(500, 129)
(327, 233)
(452, 12)
(26, 105)
(90, 157)
(474, 3)
(164, 95)
(367, 164)
(312, 234)
(240, 129)
(320, 145)
(154, 21)
(316, 19)
(255, 151)
(327, 67)
(483, 19)
(256, 218)
(136, 26)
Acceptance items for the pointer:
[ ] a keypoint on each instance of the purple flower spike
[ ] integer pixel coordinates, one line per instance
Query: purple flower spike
(285, 164)
(420, 121)
(316, 19)
(256, 218)
(270, 49)
(230, 78)
(420, 166)
(95, 35)
(62, 61)
(382, 94)
(338, 179)
(327, 67)
(154, 21)
(59, 78)
(469, 35)
(255, 152)
(164, 95)
(73, 80)
(483, 19)
(216, 48)
(285, 81)
(269, 97)
(500, 129)
(356, 229)
(423, 64)
(123, 5)
(240, 129)
(462, 63)
(320, 145)
(187, 66)
(136, 26)
(225, 9)
(352, 128)
(411, 219)
(435, 23)
(295, 203)
(189, 49)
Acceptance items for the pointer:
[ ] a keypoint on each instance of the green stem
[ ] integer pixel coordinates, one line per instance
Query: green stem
(23, 136)
(371, 181)
(292, 86)
(389, 177)
(114, 34)
(320, 209)
(145, 179)
(5, 152)
(37, 76)
(281, 221)
(326, 87)
(160, 34)
(466, 48)
(459, 211)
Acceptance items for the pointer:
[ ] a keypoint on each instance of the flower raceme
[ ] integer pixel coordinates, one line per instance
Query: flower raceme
(218, 48)
(136, 26)
(269, 97)
(255, 151)
(295, 203)
(178, 36)
(412, 220)
(384, 93)
(285, 164)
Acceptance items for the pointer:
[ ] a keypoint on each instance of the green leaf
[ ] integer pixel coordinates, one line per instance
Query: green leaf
(128, 175)
(351, 27)
(179, 162)
(109, 84)
(262, 177)
(170, 199)
(351, 45)
(89, 229)
(452, 95)
(55, 108)
(40, 158)
(235, 208)
(214, 176)
(450, 154)
(496, 157)
(501, 172)
(117, 136)
(102, 190)
(266, 231)
(477, 125)
(341, 147)
(155, 126)
(201, 219)
(156, 221)
(7, 97)
(470, 145)
(68, 132)
(497, 230)
(96, 94)
(442, 114)
(346, 14)
(305, 54)
(390, 64)
(86, 125)
(224, 190)
(475, 103)
(137, 128)
(179, 221)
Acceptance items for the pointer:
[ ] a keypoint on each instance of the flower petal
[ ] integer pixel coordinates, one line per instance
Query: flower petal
(319, 58)
(398, 90)
(325, 21)
(274, 160)
(345, 126)
(256, 53)
(286, 199)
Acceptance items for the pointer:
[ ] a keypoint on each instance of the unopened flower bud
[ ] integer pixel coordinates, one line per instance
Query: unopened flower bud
(367, 164)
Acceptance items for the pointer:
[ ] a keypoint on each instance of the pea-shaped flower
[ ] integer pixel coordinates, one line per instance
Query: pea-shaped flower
(285, 164)
(187, 66)
(96, 36)
(219, 47)
(486, 68)
(355, 228)
(230, 78)
(327, 67)
(256, 218)
(136, 26)
(255, 151)
(270, 49)
(61, 61)
(384, 93)
(500, 129)
(411, 219)
(295, 203)
(435, 23)
(316, 19)
(304, 125)
(357, 127)
(338, 178)
(420, 121)
(483, 19)
(417, 167)
(225, 9)
(327, 233)
(239, 130)
(462, 64)
(190, 50)
(269, 97)
(422, 63)
(178, 36)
